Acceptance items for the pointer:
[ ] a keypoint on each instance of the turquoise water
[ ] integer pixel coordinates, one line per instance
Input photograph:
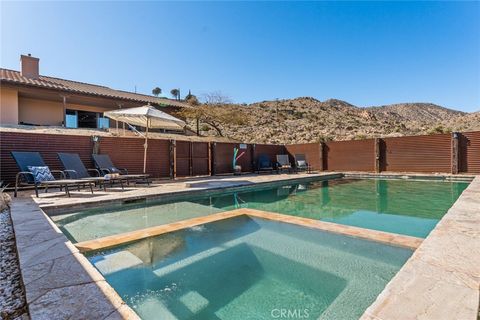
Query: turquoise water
(407, 207)
(410, 207)
(245, 268)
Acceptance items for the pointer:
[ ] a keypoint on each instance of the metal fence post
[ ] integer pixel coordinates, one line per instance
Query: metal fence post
(190, 158)
(213, 159)
(377, 155)
(173, 159)
(455, 152)
(324, 156)
(209, 146)
(254, 156)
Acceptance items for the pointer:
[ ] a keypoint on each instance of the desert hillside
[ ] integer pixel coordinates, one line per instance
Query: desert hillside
(309, 120)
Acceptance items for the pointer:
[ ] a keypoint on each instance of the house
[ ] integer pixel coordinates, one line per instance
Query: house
(28, 98)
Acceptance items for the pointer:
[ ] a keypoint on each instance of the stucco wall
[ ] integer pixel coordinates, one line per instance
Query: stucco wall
(8, 106)
(40, 112)
(44, 112)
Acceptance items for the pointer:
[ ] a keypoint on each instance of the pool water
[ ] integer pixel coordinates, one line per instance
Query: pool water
(407, 207)
(248, 268)
(410, 207)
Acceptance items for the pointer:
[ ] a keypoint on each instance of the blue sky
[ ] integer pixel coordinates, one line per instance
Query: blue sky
(367, 53)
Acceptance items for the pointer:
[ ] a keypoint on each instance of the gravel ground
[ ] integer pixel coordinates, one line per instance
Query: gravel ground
(12, 294)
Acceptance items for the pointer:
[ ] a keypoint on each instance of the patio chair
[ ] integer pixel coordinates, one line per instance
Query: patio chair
(301, 163)
(105, 165)
(34, 172)
(283, 163)
(264, 163)
(75, 169)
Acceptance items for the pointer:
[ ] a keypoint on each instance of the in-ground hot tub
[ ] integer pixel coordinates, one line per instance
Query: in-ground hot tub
(245, 268)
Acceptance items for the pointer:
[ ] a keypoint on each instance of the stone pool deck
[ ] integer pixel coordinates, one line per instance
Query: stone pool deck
(440, 281)
(60, 283)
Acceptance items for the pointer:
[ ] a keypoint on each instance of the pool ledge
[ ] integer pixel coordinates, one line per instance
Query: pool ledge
(442, 278)
(367, 234)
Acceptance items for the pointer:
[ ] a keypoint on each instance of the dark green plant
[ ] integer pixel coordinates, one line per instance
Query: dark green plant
(175, 93)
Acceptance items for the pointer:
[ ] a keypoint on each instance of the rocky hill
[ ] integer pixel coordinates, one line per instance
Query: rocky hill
(424, 112)
(306, 119)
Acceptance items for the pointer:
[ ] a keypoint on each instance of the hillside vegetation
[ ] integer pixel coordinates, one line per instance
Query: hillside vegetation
(309, 120)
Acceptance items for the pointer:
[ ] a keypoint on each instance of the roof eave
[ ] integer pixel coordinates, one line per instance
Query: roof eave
(17, 83)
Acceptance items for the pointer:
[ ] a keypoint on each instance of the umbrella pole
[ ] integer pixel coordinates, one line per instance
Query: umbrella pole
(145, 146)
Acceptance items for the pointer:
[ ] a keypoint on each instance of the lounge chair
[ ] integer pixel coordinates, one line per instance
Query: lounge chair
(283, 163)
(301, 163)
(75, 169)
(264, 163)
(34, 172)
(105, 165)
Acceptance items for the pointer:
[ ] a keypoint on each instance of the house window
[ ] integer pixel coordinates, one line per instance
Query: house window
(85, 119)
(71, 118)
(103, 122)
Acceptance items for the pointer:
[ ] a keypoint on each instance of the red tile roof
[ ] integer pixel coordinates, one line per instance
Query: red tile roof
(15, 77)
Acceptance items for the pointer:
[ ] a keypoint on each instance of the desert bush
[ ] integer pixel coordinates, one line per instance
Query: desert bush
(439, 129)
(360, 137)
(5, 198)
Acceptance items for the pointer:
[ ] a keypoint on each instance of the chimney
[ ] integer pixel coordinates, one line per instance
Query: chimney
(29, 66)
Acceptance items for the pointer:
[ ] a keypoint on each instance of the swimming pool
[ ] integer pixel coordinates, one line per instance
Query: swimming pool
(410, 207)
(248, 268)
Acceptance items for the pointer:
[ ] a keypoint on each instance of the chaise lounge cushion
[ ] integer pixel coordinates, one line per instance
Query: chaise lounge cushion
(301, 163)
(113, 170)
(265, 163)
(41, 174)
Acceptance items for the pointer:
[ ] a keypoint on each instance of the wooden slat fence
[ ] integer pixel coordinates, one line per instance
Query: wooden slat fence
(442, 153)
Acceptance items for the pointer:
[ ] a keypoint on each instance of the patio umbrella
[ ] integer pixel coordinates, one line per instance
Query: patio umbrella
(148, 117)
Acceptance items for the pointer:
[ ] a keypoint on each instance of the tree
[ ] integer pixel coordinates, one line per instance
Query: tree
(175, 93)
(156, 91)
(217, 111)
(191, 99)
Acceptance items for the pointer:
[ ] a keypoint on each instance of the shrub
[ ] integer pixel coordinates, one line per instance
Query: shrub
(5, 198)
(360, 137)
(439, 129)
